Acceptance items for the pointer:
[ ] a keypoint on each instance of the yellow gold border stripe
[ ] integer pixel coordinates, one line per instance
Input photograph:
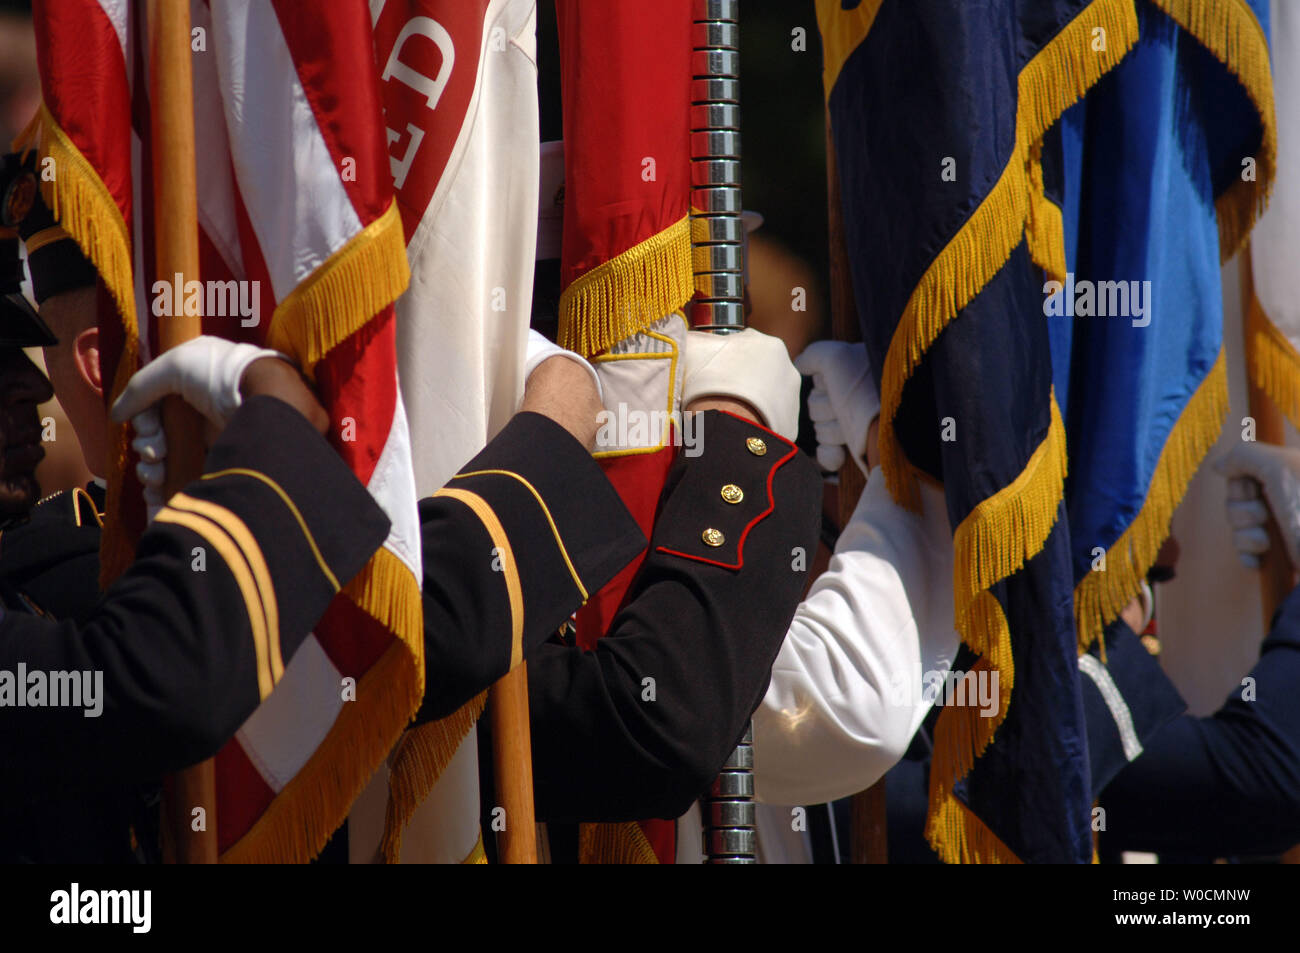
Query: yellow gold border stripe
(514, 590)
(302, 523)
(546, 510)
(244, 539)
(234, 560)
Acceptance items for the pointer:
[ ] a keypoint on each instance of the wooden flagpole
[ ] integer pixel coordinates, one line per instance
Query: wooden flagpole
(869, 842)
(512, 763)
(1276, 574)
(176, 239)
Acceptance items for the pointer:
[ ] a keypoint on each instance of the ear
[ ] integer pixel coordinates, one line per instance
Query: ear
(85, 355)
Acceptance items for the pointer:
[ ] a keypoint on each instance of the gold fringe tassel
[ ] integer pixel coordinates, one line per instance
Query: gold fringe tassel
(958, 836)
(1045, 228)
(1229, 30)
(422, 755)
(1007, 529)
(617, 843)
(629, 292)
(478, 855)
(1024, 512)
(1057, 77)
(1274, 365)
(1101, 595)
(345, 291)
(81, 203)
(312, 806)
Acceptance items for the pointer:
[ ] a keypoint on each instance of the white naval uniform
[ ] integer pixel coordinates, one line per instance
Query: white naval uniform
(847, 689)
(846, 694)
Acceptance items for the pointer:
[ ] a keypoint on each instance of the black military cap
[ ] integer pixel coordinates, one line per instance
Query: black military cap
(20, 325)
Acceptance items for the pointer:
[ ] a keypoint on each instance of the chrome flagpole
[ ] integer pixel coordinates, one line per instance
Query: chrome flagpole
(718, 234)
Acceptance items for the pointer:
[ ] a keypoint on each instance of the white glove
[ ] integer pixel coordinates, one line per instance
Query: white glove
(540, 349)
(745, 365)
(150, 444)
(205, 372)
(843, 402)
(1248, 467)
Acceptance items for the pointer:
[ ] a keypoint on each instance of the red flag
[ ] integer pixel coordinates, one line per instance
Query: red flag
(301, 249)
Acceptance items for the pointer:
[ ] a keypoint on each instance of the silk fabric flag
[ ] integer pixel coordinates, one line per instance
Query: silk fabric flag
(459, 84)
(938, 110)
(296, 211)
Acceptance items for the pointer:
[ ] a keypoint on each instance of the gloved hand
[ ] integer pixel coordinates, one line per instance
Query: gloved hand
(843, 402)
(150, 444)
(541, 349)
(1250, 467)
(745, 365)
(205, 373)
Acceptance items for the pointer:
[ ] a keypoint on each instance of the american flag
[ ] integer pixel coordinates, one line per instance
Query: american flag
(296, 196)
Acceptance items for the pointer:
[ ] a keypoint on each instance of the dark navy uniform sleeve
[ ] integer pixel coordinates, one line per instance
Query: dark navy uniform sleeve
(512, 546)
(703, 621)
(228, 581)
(1227, 784)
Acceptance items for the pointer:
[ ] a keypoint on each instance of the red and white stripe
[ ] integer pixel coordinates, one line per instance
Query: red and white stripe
(284, 93)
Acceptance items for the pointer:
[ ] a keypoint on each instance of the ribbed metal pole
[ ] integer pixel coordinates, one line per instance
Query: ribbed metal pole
(715, 167)
(730, 836)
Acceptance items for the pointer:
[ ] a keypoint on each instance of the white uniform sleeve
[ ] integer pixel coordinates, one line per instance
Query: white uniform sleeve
(846, 694)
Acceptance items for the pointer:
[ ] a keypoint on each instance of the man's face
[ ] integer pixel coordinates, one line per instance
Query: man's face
(22, 388)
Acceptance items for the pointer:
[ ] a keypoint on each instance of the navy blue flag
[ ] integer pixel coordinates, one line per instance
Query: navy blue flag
(963, 196)
(938, 109)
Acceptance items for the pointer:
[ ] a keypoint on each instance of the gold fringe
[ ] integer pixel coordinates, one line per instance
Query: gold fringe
(311, 807)
(629, 292)
(1005, 530)
(345, 291)
(1023, 512)
(958, 836)
(79, 200)
(1101, 595)
(422, 755)
(478, 855)
(388, 591)
(82, 205)
(1057, 77)
(1045, 229)
(1229, 30)
(1274, 364)
(617, 843)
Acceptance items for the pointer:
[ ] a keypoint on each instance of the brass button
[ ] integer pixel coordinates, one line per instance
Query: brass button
(732, 493)
(756, 446)
(713, 537)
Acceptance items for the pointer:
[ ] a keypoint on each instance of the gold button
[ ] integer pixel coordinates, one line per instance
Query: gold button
(732, 493)
(713, 537)
(756, 446)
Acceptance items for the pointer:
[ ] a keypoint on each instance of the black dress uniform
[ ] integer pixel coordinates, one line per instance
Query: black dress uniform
(704, 617)
(49, 564)
(227, 582)
(49, 567)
